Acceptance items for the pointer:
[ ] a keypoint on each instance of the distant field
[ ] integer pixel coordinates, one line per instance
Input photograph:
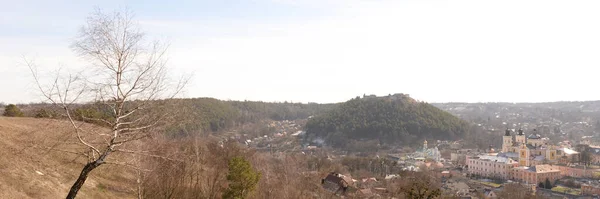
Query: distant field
(29, 170)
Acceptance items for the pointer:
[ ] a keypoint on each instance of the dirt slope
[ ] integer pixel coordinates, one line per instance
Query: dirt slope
(28, 169)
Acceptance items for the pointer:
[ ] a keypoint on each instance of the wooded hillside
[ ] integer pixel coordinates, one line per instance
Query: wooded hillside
(197, 115)
(392, 119)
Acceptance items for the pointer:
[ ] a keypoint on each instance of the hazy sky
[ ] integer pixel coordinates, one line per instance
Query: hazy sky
(333, 50)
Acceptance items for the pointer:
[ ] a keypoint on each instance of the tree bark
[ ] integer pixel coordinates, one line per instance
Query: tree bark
(84, 174)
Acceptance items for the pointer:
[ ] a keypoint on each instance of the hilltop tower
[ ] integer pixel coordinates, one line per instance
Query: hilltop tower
(507, 141)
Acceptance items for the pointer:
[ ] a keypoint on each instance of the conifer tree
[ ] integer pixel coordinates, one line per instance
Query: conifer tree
(242, 179)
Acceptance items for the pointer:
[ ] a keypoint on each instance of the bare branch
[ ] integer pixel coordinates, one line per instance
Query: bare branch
(147, 154)
(127, 165)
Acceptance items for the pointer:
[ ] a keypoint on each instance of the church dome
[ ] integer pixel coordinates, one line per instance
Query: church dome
(534, 135)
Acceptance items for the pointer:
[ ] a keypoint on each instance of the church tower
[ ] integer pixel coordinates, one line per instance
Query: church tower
(520, 138)
(523, 155)
(425, 145)
(551, 153)
(507, 141)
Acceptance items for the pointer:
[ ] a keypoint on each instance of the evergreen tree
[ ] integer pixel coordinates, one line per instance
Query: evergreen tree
(242, 179)
(548, 184)
(12, 110)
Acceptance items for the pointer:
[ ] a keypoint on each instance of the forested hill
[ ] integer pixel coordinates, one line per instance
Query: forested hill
(196, 115)
(391, 119)
(213, 115)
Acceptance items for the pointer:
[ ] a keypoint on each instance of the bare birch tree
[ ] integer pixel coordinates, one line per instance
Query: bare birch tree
(126, 74)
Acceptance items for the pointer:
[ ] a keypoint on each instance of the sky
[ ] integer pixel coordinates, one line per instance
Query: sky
(333, 50)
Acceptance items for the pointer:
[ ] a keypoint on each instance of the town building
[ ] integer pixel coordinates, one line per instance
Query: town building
(590, 189)
(490, 166)
(335, 183)
(489, 194)
(428, 153)
(535, 174)
(532, 150)
(579, 171)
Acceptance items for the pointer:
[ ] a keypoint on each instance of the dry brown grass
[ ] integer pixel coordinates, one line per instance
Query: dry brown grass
(34, 163)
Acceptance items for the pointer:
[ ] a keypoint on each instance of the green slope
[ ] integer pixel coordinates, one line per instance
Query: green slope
(392, 119)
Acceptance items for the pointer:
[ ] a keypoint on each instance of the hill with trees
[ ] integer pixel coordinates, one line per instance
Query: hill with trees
(195, 115)
(390, 120)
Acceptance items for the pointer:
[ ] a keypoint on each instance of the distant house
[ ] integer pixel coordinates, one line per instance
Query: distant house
(391, 176)
(489, 194)
(369, 180)
(590, 189)
(335, 183)
(445, 174)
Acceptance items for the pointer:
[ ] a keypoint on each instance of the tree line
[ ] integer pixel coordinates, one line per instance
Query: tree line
(194, 115)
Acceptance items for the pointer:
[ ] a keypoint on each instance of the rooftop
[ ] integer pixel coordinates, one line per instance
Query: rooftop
(542, 168)
(534, 136)
(495, 158)
(569, 151)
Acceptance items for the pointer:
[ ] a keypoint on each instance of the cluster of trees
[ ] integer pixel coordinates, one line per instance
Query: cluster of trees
(385, 119)
(516, 190)
(201, 168)
(212, 115)
(12, 110)
(193, 115)
(251, 111)
(379, 167)
(417, 185)
(546, 184)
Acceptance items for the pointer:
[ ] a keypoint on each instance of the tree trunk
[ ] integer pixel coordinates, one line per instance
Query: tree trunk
(84, 173)
(82, 177)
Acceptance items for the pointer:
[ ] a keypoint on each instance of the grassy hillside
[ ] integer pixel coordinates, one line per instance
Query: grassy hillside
(392, 119)
(30, 170)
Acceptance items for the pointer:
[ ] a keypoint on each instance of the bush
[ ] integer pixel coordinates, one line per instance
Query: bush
(12, 110)
(43, 113)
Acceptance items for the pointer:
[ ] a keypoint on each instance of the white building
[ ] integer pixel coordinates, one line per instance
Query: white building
(490, 166)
